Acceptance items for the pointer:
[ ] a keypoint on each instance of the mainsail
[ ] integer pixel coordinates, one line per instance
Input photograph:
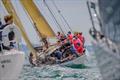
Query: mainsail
(41, 24)
(17, 21)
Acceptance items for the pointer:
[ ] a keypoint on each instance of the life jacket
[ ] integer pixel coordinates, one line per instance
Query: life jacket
(80, 50)
(75, 44)
(81, 38)
(78, 45)
(79, 41)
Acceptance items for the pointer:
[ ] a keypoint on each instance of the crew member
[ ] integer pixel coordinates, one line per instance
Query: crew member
(8, 20)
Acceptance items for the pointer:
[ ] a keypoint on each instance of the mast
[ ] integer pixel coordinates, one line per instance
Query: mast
(91, 18)
(9, 7)
(41, 24)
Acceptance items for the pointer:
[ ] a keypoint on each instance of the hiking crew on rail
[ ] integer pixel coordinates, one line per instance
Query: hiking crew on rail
(70, 47)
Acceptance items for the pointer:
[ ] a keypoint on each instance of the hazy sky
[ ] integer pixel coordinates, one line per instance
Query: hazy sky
(74, 11)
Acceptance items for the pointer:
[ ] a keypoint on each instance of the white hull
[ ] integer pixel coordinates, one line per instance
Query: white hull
(79, 60)
(11, 63)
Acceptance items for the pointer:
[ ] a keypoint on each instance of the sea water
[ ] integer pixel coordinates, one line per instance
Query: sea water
(87, 71)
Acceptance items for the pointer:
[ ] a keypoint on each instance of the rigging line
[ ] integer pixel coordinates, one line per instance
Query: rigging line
(37, 4)
(61, 15)
(53, 16)
(64, 24)
(66, 30)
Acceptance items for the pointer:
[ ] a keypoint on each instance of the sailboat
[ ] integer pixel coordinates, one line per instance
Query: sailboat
(11, 61)
(41, 25)
(79, 60)
(42, 28)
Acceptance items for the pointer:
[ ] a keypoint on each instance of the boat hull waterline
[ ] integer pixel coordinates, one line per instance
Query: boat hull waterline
(78, 60)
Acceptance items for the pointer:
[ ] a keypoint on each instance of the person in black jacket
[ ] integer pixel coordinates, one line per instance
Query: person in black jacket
(8, 20)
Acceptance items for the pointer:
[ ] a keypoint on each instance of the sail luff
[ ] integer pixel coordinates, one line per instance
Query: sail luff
(33, 24)
(9, 7)
(40, 23)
